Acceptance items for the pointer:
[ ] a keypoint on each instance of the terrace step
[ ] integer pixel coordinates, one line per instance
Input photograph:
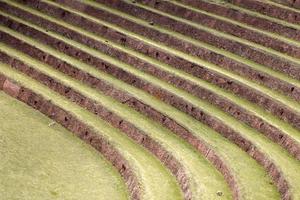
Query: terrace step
(271, 9)
(166, 157)
(50, 160)
(253, 19)
(239, 171)
(115, 120)
(290, 4)
(234, 24)
(165, 15)
(288, 114)
(179, 149)
(160, 106)
(199, 49)
(280, 136)
(241, 65)
(129, 158)
(203, 20)
(184, 100)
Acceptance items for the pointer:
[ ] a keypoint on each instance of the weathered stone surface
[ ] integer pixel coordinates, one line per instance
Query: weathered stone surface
(10, 88)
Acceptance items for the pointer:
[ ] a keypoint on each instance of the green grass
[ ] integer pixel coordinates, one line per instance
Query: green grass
(148, 169)
(39, 161)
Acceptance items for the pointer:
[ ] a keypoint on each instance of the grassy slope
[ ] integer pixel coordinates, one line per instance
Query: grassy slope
(42, 162)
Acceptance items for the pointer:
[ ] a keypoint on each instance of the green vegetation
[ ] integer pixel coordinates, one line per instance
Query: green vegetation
(42, 161)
